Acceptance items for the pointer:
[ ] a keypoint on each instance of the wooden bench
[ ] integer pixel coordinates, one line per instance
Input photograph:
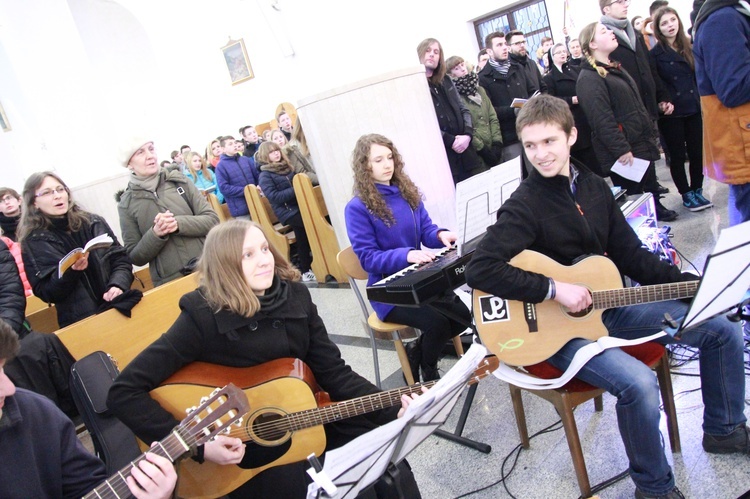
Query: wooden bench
(41, 315)
(142, 280)
(261, 212)
(122, 337)
(323, 243)
(222, 210)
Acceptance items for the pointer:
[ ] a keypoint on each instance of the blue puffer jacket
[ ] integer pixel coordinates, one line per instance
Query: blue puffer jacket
(279, 190)
(233, 173)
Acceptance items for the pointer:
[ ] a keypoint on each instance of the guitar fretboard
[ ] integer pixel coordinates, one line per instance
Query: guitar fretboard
(613, 298)
(350, 408)
(116, 487)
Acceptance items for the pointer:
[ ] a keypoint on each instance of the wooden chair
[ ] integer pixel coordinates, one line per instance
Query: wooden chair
(222, 210)
(376, 328)
(261, 212)
(323, 243)
(41, 316)
(576, 392)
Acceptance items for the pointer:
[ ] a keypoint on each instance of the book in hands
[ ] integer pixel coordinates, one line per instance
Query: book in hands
(100, 241)
(518, 103)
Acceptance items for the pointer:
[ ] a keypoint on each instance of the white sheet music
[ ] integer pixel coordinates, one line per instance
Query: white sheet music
(726, 277)
(359, 463)
(478, 198)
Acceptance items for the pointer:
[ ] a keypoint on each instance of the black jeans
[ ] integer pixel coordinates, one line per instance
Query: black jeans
(684, 135)
(303, 244)
(436, 328)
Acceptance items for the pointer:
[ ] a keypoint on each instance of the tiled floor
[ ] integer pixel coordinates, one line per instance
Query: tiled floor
(447, 470)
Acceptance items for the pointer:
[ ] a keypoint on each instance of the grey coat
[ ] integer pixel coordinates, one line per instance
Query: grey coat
(168, 255)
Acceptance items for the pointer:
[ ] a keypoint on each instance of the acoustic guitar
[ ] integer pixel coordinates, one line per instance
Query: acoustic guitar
(522, 334)
(216, 413)
(284, 424)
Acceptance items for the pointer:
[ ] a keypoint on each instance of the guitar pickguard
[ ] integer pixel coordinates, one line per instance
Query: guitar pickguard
(260, 455)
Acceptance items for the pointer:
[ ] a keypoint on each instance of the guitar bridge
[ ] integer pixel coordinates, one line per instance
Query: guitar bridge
(529, 312)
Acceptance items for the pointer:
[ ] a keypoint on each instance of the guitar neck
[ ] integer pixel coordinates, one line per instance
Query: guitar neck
(613, 298)
(354, 407)
(172, 447)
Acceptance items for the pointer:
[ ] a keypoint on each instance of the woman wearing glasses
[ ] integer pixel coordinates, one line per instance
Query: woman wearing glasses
(52, 225)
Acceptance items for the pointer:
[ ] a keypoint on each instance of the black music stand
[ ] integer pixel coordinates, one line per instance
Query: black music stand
(365, 459)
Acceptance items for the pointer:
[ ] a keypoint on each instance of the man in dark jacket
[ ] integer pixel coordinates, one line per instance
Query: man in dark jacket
(632, 53)
(505, 80)
(565, 212)
(453, 118)
(47, 458)
(251, 139)
(520, 54)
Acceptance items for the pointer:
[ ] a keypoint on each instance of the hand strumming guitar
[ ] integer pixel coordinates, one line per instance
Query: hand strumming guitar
(572, 296)
(224, 450)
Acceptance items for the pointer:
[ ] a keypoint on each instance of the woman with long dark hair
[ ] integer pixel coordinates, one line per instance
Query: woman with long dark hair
(52, 225)
(683, 129)
(249, 310)
(387, 225)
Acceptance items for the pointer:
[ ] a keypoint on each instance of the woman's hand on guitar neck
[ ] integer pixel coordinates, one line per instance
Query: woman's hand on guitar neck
(406, 400)
(224, 450)
(572, 296)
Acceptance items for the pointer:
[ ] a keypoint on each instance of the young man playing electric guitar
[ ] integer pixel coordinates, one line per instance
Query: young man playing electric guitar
(565, 212)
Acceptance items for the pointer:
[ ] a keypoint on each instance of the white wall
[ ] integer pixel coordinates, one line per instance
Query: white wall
(78, 75)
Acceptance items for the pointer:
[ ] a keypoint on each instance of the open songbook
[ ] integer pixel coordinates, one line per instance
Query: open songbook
(100, 241)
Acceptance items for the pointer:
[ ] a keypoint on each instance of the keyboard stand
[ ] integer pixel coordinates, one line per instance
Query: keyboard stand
(455, 435)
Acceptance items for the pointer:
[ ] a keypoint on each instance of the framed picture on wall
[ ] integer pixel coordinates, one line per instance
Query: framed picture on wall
(238, 64)
(4, 123)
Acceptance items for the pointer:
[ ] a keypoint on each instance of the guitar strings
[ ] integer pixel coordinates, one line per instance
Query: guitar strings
(300, 420)
(170, 445)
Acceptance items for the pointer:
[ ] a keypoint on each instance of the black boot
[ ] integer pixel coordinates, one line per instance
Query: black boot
(414, 354)
(664, 214)
(430, 373)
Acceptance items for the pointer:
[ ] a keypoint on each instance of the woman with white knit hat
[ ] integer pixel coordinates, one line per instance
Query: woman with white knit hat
(163, 217)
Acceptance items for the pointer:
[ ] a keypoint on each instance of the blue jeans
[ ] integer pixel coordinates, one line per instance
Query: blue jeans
(739, 203)
(632, 382)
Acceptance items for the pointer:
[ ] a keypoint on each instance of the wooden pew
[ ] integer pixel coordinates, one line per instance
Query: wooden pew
(142, 280)
(222, 210)
(261, 213)
(41, 316)
(122, 337)
(323, 243)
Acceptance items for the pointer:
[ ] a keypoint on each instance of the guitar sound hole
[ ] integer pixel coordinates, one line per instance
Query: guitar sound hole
(581, 313)
(269, 426)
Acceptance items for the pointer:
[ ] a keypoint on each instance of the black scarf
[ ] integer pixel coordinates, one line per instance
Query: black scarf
(701, 12)
(467, 84)
(9, 226)
(275, 296)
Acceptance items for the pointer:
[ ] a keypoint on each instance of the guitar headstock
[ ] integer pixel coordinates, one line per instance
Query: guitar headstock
(216, 413)
(485, 368)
